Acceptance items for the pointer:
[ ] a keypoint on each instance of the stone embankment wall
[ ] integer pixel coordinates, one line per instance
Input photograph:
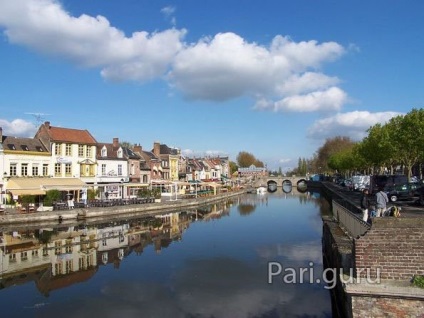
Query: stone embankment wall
(115, 211)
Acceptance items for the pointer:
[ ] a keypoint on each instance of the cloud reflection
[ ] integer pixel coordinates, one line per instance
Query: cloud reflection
(219, 287)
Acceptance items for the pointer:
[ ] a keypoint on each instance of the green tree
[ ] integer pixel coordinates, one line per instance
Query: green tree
(233, 167)
(51, 196)
(407, 133)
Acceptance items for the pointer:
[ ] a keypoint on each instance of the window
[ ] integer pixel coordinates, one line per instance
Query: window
(68, 248)
(119, 170)
(120, 153)
(58, 268)
(68, 169)
(57, 247)
(24, 147)
(34, 253)
(88, 151)
(68, 150)
(13, 169)
(103, 169)
(80, 150)
(58, 149)
(69, 267)
(57, 169)
(45, 252)
(104, 152)
(24, 256)
(24, 169)
(12, 257)
(45, 170)
(35, 170)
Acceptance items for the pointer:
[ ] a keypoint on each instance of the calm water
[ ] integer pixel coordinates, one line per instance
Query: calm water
(210, 262)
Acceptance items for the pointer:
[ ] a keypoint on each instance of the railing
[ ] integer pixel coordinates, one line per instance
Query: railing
(351, 222)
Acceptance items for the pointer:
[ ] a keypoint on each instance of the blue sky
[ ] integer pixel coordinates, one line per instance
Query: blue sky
(273, 78)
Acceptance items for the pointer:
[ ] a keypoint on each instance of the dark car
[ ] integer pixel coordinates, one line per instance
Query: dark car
(405, 191)
(386, 181)
(420, 194)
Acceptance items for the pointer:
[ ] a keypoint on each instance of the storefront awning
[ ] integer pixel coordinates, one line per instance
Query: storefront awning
(136, 185)
(39, 186)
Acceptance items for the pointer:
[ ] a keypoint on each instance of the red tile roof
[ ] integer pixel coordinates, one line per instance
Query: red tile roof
(71, 135)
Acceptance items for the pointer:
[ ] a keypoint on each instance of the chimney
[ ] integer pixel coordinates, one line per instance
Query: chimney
(115, 142)
(156, 148)
(137, 148)
(47, 124)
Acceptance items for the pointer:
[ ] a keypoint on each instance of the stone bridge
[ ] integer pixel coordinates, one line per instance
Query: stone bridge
(280, 181)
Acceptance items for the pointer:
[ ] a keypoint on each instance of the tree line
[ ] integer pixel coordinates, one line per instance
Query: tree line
(396, 146)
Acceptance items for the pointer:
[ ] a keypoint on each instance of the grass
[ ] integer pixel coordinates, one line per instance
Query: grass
(418, 281)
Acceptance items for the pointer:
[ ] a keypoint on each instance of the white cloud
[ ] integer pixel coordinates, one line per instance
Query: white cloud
(284, 160)
(353, 124)
(226, 66)
(286, 74)
(18, 128)
(331, 99)
(168, 11)
(45, 26)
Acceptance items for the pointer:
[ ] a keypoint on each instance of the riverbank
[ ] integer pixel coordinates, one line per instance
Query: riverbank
(105, 212)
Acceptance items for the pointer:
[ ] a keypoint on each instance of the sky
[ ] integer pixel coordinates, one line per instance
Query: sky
(274, 78)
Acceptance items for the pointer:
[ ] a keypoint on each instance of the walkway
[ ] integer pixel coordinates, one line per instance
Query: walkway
(409, 208)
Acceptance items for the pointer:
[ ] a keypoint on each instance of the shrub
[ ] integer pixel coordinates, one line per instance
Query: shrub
(418, 281)
(51, 196)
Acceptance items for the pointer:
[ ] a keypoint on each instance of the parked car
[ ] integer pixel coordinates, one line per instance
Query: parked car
(406, 191)
(383, 181)
(420, 194)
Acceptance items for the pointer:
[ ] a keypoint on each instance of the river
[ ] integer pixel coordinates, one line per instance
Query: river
(251, 256)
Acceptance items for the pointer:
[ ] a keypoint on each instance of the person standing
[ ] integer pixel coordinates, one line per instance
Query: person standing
(382, 199)
(365, 204)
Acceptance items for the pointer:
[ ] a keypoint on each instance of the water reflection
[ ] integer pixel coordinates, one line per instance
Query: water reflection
(205, 262)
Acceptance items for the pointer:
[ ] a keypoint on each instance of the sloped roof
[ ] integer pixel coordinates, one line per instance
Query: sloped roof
(112, 152)
(130, 154)
(23, 144)
(165, 150)
(70, 135)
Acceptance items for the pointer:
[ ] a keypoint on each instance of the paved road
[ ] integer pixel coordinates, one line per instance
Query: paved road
(409, 208)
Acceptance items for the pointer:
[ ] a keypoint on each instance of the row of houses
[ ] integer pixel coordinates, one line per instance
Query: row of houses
(72, 160)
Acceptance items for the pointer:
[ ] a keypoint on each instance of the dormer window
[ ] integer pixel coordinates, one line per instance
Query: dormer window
(24, 147)
(120, 153)
(104, 151)
(11, 146)
(39, 148)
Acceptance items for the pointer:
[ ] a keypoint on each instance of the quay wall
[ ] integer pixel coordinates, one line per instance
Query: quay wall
(114, 211)
(394, 246)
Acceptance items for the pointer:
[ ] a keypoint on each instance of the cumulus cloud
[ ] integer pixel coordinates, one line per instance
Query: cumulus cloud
(282, 76)
(45, 26)
(331, 99)
(18, 128)
(352, 124)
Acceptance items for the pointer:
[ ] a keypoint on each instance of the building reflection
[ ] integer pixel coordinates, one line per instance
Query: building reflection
(58, 257)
